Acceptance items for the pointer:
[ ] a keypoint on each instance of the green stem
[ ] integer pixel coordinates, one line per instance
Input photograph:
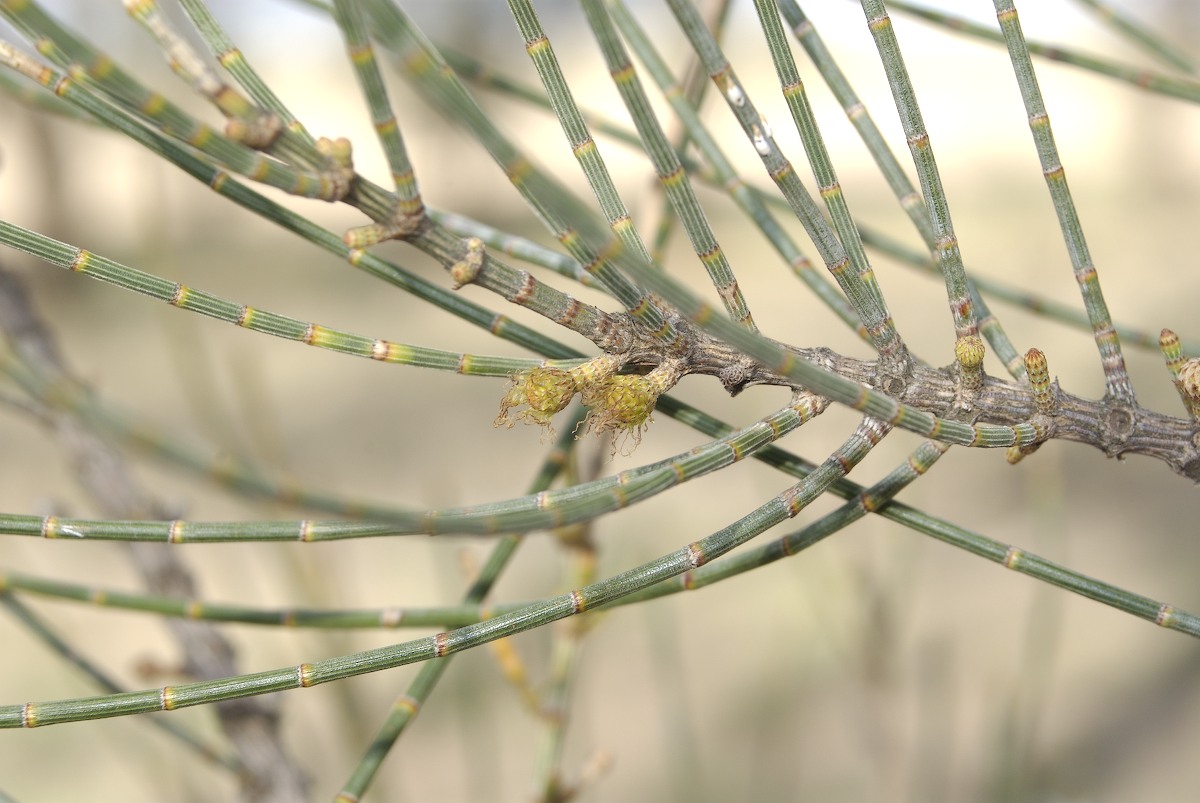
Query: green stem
(945, 242)
(1182, 88)
(1116, 378)
(389, 618)
(350, 19)
(304, 675)
(408, 705)
(543, 510)
(855, 278)
(670, 172)
(79, 260)
(1135, 32)
(39, 628)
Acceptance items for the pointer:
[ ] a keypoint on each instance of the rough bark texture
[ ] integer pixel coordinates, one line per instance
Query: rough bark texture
(1113, 426)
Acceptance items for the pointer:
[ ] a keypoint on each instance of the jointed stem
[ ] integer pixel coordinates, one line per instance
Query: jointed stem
(583, 146)
(1116, 378)
(671, 174)
(908, 196)
(200, 610)
(847, 264)
(695, 84)
(565, 661)
(945, 241)
(231, 59)
(408, 705)
(362, 55)
(1187, 89)
(552, 202)
(814, 145)
(309, 173)
(1019, 297)
(544, 510)
(34, 623)
(1139, 35)
(727, 178)
(181, 296)
(778, 509)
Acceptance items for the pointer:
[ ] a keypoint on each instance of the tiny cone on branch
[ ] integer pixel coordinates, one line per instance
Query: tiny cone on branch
(543, 391)
(546, 390)
(620, 405)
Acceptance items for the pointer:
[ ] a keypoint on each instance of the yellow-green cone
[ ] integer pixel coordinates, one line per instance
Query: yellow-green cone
(620, 404)
(543, 391)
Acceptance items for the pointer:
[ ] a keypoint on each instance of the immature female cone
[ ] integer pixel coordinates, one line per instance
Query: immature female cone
(969, 351)
(622, 404)
(544, 392)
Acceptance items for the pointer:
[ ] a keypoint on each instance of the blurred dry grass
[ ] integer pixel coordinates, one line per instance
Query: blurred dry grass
(879, 665)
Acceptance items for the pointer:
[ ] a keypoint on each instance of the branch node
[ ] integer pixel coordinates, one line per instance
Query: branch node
(1117, 425)
(338, 177)
(1015, 454)
(893, 385)
(401, 224)
(734, 375)
(257, 131)
(893, 373)
(466, 270)
(618, 334)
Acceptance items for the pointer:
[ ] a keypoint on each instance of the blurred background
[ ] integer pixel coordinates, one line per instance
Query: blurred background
(879, 665)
